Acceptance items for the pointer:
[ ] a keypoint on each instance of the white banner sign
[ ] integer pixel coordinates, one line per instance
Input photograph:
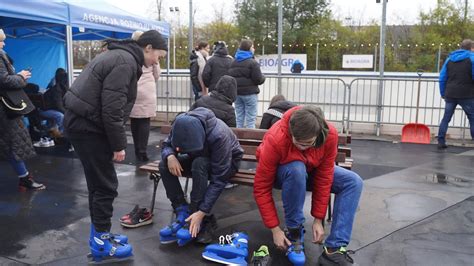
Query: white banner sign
(357, 61)
(270, 62)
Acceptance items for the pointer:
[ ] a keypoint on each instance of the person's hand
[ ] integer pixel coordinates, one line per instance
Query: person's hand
(318, 231)
(25, 74)
(174, 166)
(279, 239)
(195, 221)
(119, 156)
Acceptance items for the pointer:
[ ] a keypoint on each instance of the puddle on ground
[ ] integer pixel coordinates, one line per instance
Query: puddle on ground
(444, 179)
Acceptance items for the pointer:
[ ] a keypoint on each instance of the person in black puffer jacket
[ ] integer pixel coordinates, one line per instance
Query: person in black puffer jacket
(220, 100)
(217, 65)
(278, 106)
(248, 75)
(97, 106)
(204, 146)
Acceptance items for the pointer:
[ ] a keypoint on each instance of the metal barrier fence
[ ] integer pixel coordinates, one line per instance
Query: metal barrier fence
(329, 93)
(398, 105)
(345, 100)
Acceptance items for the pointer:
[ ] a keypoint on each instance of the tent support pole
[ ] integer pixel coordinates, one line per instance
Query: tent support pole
(69, 44)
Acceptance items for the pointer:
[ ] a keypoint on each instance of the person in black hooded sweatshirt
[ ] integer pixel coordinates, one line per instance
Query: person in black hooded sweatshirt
(97, 106)
(217, 65)
(220, 100)
(278, 106)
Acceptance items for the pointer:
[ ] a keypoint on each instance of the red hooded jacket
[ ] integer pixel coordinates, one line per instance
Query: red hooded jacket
(277, 148)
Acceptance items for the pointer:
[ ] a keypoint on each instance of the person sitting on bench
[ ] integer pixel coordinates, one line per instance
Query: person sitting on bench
(53, 99)
(278, 106)
(220, 100)
(297, 154)
(205, 147)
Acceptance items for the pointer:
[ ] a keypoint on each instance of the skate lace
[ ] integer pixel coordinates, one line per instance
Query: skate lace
(347, 257)
(226, 239)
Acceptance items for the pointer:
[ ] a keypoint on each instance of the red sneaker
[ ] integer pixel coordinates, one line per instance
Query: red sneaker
(27, 183)
(136, 219)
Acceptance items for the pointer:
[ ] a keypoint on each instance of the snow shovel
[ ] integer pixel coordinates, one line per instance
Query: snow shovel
(415, 132)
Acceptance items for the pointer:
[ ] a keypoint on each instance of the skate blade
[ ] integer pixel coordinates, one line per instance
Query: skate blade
(234, 261)
(168, 241)
(107, 259)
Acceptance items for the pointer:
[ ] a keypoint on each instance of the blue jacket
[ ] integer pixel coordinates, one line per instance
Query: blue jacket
(460, 74)
(222, 148)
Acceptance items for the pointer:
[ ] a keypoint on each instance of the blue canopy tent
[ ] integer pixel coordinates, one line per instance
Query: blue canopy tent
(35, 39)
(40, 33)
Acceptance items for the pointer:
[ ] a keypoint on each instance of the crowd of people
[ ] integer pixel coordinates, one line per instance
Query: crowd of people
(297, 153)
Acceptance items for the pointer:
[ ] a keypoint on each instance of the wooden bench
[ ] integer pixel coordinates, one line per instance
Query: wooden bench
(250, 139)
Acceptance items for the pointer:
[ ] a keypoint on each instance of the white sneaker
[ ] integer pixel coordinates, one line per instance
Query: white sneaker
(71, 149)
(230, 185)
(43, 143)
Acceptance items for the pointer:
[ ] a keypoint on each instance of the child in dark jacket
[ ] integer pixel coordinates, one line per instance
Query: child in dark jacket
(203, 146)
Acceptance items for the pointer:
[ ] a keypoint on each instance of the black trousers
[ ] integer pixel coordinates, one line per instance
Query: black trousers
(140, 132)
(96, 157)
(199, 168)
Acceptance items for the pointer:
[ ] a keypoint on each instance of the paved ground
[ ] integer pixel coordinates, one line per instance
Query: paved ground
(416, 209)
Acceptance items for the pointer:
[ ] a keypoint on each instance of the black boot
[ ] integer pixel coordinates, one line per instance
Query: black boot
(27, 183)
(339, 257)
(208, 228)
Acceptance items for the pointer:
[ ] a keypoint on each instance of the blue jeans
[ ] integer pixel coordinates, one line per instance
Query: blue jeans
(246, 110)
(56, 116)
(468, 107)
(18, 166)
(293, 180)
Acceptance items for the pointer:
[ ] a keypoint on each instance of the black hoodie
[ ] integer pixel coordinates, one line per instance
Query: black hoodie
(217, 66)
(220, 100)
(101, 98)
(274, 113)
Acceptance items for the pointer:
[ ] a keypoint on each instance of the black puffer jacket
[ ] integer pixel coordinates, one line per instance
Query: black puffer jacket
(14, 137)
(217, 66)
(220, 100)
(194, 70)
(275, 113)
(53, 97)
(101, 98)
(248, 75)
(222, 148)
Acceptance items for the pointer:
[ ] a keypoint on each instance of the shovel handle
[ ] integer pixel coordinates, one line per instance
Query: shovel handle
(419, 72)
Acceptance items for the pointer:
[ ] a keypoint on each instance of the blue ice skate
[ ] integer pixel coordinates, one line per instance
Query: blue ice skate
(168, 233)
(231, 250)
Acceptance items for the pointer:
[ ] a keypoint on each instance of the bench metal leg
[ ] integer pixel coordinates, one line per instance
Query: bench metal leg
(156, 179)
(329, 209)
(186, 185)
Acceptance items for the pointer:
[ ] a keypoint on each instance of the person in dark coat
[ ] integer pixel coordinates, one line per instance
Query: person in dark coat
(53, 99)
(248, 74)
(217, 65)
(220, 100)
(456, 85)
(297, 66)
(278, 106)
(198, 60)
(15, 141)
(97, 106)
(206, 147)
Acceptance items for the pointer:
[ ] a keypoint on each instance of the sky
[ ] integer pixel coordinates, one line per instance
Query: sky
(353, 12)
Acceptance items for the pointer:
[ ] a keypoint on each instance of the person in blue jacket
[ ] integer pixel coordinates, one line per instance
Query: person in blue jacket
(456, 84)
(297, 66)
(203, 146)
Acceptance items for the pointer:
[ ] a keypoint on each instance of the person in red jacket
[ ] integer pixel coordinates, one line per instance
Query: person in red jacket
(297, 155)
